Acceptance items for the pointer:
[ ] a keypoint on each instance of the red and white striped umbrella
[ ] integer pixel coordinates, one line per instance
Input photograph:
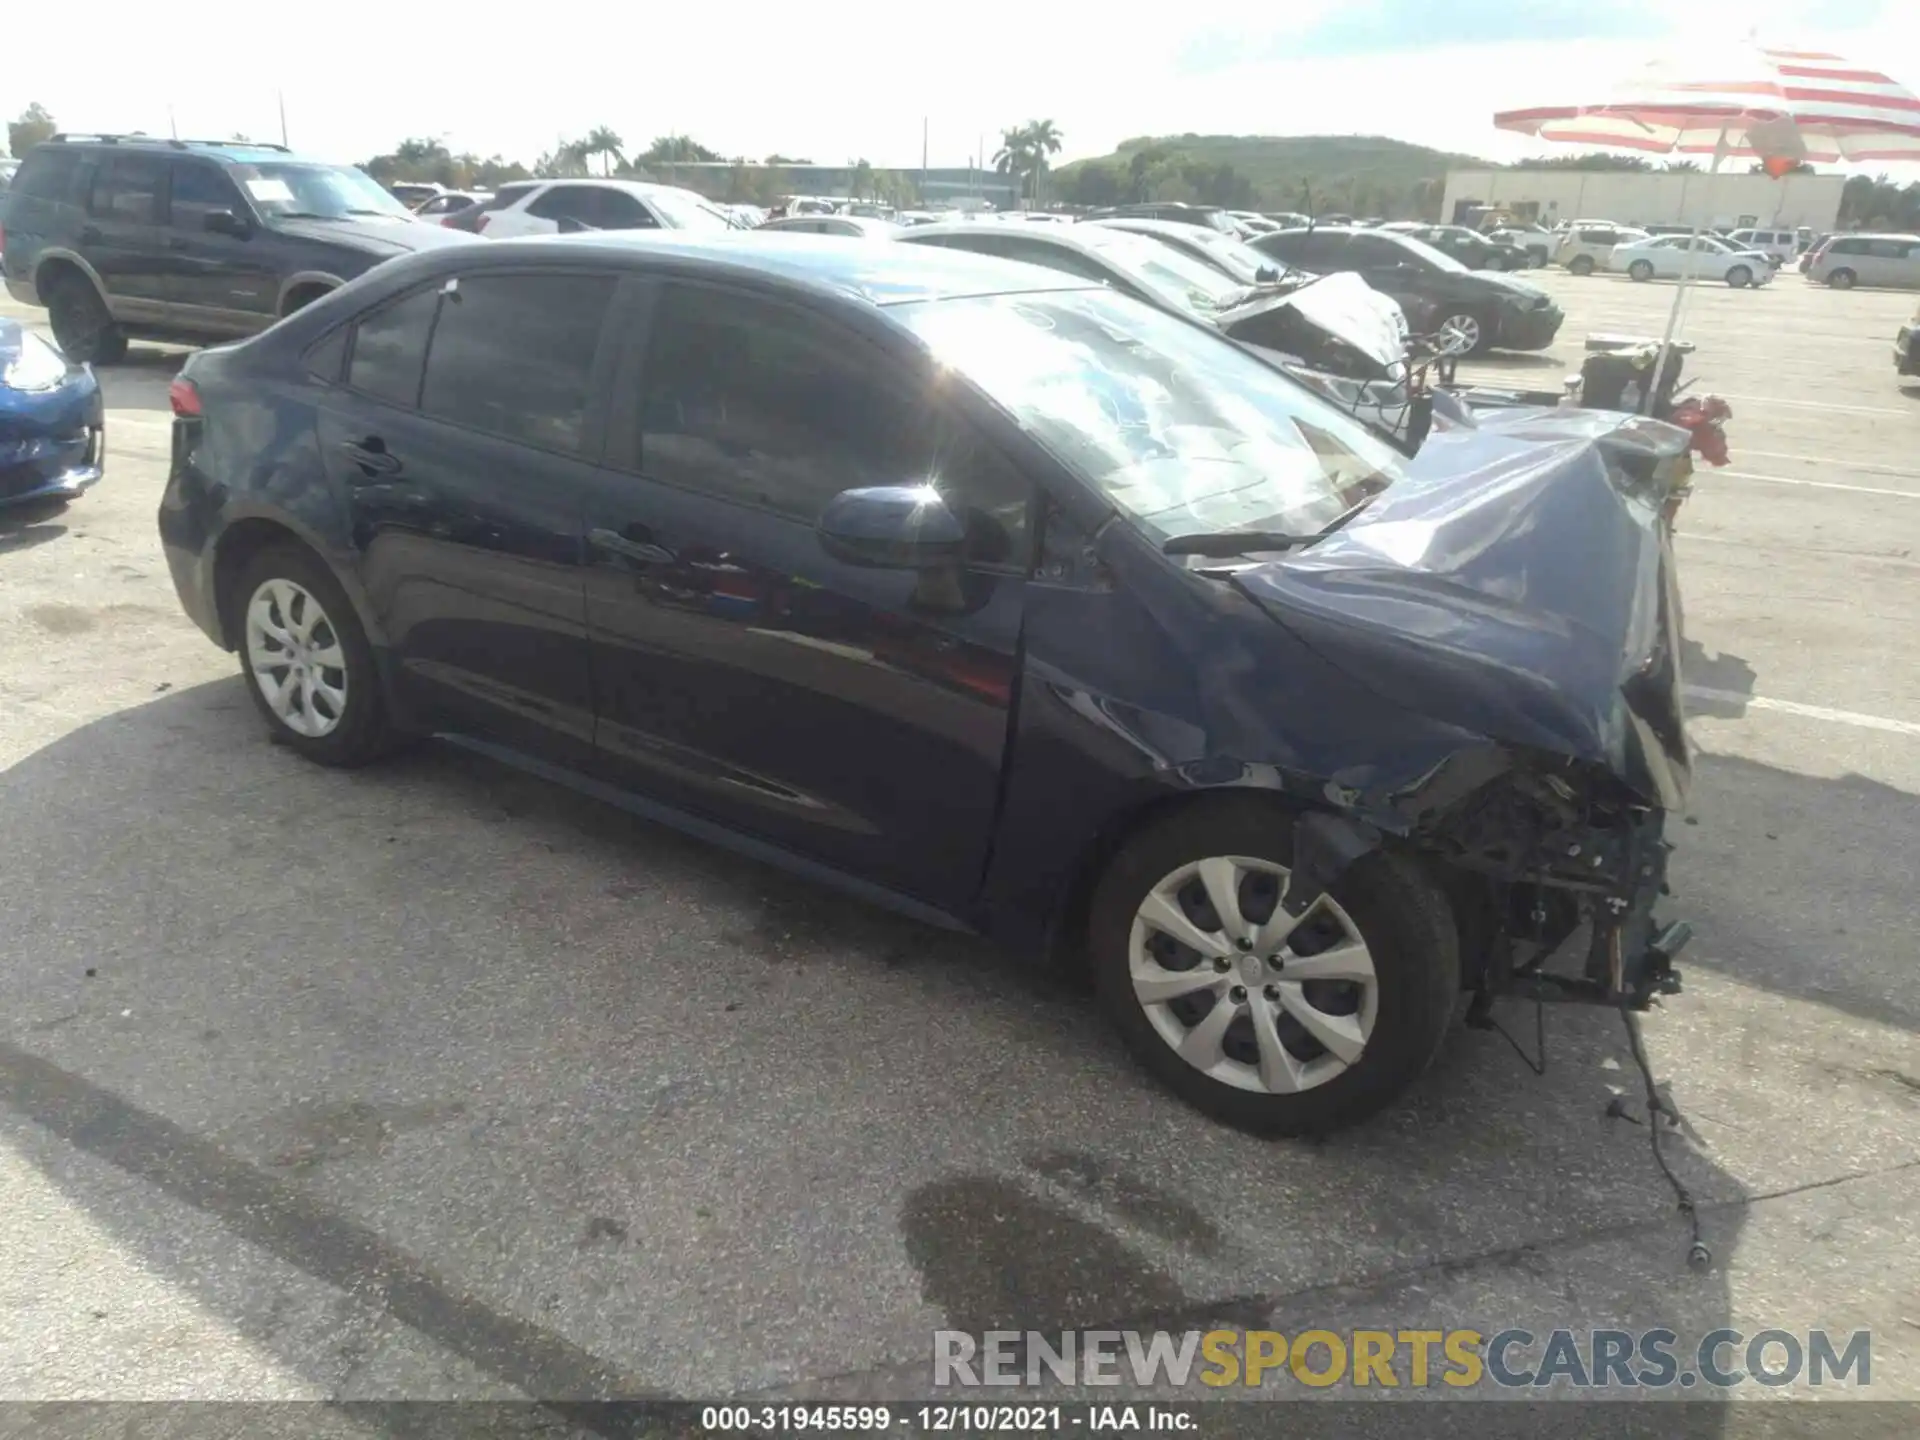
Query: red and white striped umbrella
(1775, 105)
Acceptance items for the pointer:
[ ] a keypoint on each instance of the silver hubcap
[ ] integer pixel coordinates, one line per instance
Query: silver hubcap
(1243, 991)
(296, 658)
(1460, 333)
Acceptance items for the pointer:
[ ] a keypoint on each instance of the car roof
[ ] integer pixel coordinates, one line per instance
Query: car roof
(894, 274)
(238, 152)
(634, 187)
(1168, 229)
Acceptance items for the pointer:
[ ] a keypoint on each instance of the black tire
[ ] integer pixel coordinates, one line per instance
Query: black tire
(1842, 279)
(1739, 277)
(1641, 270)
(1581, 265)
(361, 732)
(1401, 915)
(81, 323)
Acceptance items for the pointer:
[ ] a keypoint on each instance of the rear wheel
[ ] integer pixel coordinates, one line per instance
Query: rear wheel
(1581, 265)
(1641, 270)
(1740, 276)
(81, 322)
(1842, 279)
(306, 659)
(1280, 1024)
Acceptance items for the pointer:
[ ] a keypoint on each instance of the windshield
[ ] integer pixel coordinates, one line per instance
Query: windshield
(1179, 278)
(1239, 259)
(323, 192)
(685, 210)
(1183, 431)
(1439, 259)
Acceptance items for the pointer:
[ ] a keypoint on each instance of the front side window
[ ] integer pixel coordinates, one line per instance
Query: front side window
(569, 202)
(127, 189)
(390, 348)
(513, 355)
(765, 405)
(1183, 434)
(198, 191)
(621, 211)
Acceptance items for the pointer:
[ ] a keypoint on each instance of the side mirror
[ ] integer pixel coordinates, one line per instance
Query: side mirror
(1266, 275)
(892, 527)
(227, 222)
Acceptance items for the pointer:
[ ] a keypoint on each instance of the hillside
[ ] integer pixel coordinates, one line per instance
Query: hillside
(1363, 173)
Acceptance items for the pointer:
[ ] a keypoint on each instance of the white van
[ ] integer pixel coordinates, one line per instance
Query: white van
(1779, 246)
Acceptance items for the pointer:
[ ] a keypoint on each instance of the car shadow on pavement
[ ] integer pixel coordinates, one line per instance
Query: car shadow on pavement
(24, 526)
(140, 381)
(493, 1061)
(1717, 685)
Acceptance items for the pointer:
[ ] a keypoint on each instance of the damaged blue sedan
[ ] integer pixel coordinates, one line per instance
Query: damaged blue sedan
(52, 423)
(990, 595)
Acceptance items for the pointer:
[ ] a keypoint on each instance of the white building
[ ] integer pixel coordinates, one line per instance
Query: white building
(1648, 197)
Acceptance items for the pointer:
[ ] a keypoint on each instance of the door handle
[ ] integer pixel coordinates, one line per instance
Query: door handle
(176, 242)
(89, 234)
(371, 455)
(614, 543)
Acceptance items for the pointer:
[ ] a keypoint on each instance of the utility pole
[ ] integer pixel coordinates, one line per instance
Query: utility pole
(281, 96)
(923, 160)
(173, 126)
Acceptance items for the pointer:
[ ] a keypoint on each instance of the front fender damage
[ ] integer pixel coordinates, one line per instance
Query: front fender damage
(1538, 856)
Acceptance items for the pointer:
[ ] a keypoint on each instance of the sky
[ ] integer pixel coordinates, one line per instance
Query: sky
(842, 79)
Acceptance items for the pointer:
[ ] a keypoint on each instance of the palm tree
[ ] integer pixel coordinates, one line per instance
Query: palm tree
(1043, 140)
(862, 179)
(1013, 158)
(606, 144)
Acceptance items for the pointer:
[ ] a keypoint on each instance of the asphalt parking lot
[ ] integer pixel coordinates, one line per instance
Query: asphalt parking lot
(431, 1081)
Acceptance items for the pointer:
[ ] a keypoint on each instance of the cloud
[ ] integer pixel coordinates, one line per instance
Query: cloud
(1383, 27)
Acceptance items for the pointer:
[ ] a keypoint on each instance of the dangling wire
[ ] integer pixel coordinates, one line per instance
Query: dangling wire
(1698, 1255)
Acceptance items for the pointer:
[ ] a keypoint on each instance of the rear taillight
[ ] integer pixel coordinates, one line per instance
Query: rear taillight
(3, 238)
(480, 223)
(184, 397)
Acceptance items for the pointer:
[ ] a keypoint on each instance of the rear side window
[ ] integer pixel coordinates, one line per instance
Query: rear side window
(1847, 247)
(47, 173)
(1888, 249)
(127, 189)
(621, 211)
(569, 202)
(508, 195)
(390, 348)
(513, 355)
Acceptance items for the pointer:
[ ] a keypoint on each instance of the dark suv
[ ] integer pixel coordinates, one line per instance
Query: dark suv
(122, 237)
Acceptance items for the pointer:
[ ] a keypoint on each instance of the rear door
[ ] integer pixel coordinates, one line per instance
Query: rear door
(561, 208)
(854, 716)
(224, 284)
(463, 439)
(121, 237)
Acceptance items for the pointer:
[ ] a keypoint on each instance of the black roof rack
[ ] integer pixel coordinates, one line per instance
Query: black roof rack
(66, 139)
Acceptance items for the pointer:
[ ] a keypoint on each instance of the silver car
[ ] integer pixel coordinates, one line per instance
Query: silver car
(1850, 260)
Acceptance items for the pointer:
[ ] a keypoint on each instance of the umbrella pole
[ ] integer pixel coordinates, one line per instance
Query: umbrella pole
(1680, 293)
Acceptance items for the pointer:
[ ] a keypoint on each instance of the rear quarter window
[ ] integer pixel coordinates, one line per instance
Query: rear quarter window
(48, 173)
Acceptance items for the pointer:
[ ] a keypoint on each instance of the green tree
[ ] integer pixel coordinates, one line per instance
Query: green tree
(34, 126)
(606, 144)
(681, 149)
(861, 181)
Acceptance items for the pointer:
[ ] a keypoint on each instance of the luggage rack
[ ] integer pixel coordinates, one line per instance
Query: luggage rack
(78, 139)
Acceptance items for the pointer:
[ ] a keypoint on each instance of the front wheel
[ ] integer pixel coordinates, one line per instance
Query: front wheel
(1279, 1024)
(1641, 270)
(1463, 334)
(1739, 277)
(81, 323)
(306, 659)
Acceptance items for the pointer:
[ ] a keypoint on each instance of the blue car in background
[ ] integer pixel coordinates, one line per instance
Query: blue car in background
(52, 423)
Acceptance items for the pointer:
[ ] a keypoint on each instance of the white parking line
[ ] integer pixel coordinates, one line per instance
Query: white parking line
(1910, 411)
(1806, 712)
(1829, 460)
(1815, 484)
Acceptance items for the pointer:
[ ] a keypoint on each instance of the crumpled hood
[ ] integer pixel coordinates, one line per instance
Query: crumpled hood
(382, 239)
(1517, 582)
(1341, 306)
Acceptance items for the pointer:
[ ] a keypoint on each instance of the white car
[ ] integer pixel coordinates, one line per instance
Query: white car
(1585, 244)
(1779, 246)
(554, 207)
(1701, 258)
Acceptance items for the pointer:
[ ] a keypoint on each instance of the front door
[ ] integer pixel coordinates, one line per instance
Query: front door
(122, 238)
(857, 717)
(224, 283)
(462, 439)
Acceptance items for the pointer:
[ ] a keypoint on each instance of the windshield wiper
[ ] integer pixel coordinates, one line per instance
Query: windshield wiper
(302, 215)
(1228, 543)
